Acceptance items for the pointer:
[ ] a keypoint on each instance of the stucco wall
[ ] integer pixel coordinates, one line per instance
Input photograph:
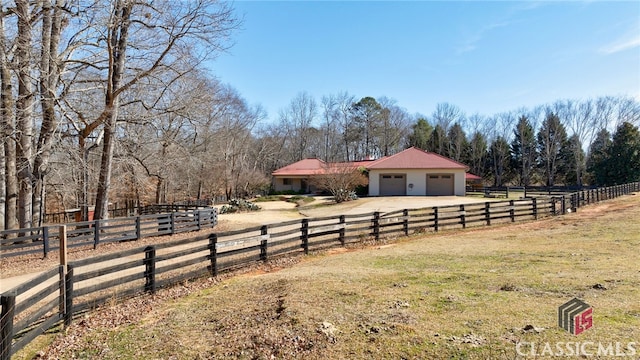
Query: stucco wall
(417, 177)
(278, 184)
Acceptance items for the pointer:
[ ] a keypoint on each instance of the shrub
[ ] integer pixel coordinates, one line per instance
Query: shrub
(236, 205)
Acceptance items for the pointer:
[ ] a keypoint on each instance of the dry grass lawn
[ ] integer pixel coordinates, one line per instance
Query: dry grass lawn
(464, 295)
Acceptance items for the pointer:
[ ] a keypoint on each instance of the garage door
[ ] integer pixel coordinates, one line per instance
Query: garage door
(440, 184)
(393, 184)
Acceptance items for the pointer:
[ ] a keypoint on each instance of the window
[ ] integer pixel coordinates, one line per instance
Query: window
(446, 176)
(286, 181)
(386, 176)
(398, 177)
(433, 176)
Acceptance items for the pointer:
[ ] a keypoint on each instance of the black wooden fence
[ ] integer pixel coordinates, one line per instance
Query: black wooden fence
(92, 233)
(55, 296)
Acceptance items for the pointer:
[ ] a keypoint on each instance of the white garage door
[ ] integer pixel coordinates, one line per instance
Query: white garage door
(393, 184)
(440, 184)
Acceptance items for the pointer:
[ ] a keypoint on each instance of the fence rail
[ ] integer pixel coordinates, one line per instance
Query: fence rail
(56, 295)
(93, 233)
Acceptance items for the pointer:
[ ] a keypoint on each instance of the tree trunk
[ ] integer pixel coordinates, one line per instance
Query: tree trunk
(3, 186)
(118, 37)
(7, 120)
(104, 181)
(49, 77)
(24, 113)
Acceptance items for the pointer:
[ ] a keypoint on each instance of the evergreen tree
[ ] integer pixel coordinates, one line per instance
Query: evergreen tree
(476, 156)
(457, 142)
(623, 156)
(421, 132)
(523, 150)
(572, 166)
(551, 138)
(499, 160)
(438, 141)
(597, 161)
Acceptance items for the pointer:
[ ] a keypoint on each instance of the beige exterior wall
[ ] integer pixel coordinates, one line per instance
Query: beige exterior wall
(417, 180)
(295, 183)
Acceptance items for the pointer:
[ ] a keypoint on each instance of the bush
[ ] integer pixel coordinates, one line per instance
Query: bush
(237, 205)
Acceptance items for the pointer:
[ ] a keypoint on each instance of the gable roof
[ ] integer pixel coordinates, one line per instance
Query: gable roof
(314, 166)
(414, 158)
(302, 167)
(411, 158)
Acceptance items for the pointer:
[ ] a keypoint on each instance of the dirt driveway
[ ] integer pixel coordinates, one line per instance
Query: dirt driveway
(278, 211)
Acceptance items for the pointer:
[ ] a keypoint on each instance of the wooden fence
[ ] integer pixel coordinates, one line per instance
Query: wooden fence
(92, 233)
(129, 209)
(55, 296)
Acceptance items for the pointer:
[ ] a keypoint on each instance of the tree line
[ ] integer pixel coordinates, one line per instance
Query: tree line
(106, 102)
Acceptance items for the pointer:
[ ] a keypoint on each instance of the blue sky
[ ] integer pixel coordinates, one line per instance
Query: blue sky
(484, 57)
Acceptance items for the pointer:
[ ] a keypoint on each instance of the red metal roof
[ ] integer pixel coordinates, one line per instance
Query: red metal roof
(414, 158)
(302, 167)
(470, 176)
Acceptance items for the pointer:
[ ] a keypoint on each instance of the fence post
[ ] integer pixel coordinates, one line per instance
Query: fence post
(376, 225)
(305, 235)
(150, 269)
(173, 223)
(213, 254)
(96, 234)
(405, 222)
(435, 218)
(463, 218)
(197, 214)
(138, 228)
(263, 243)
(68, 296)
(563, 205)
(342, 229)
(535, 208)
(8, 303)
(553, 206)
(512, 211)
(45, 240)
(487, 212)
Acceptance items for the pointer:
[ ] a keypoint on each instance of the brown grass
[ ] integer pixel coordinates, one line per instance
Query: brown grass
(464, 294)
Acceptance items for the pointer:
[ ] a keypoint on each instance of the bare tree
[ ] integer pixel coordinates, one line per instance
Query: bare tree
(340, 179)
(8, 131)
(297, 120)
(395, 127)
(24, 110)
(135, 42)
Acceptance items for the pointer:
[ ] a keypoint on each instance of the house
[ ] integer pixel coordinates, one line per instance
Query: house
(296, 177)
(412, 172)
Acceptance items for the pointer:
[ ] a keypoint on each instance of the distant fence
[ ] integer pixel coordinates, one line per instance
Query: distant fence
(58, 294)
(93, 233)
(129, 209)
